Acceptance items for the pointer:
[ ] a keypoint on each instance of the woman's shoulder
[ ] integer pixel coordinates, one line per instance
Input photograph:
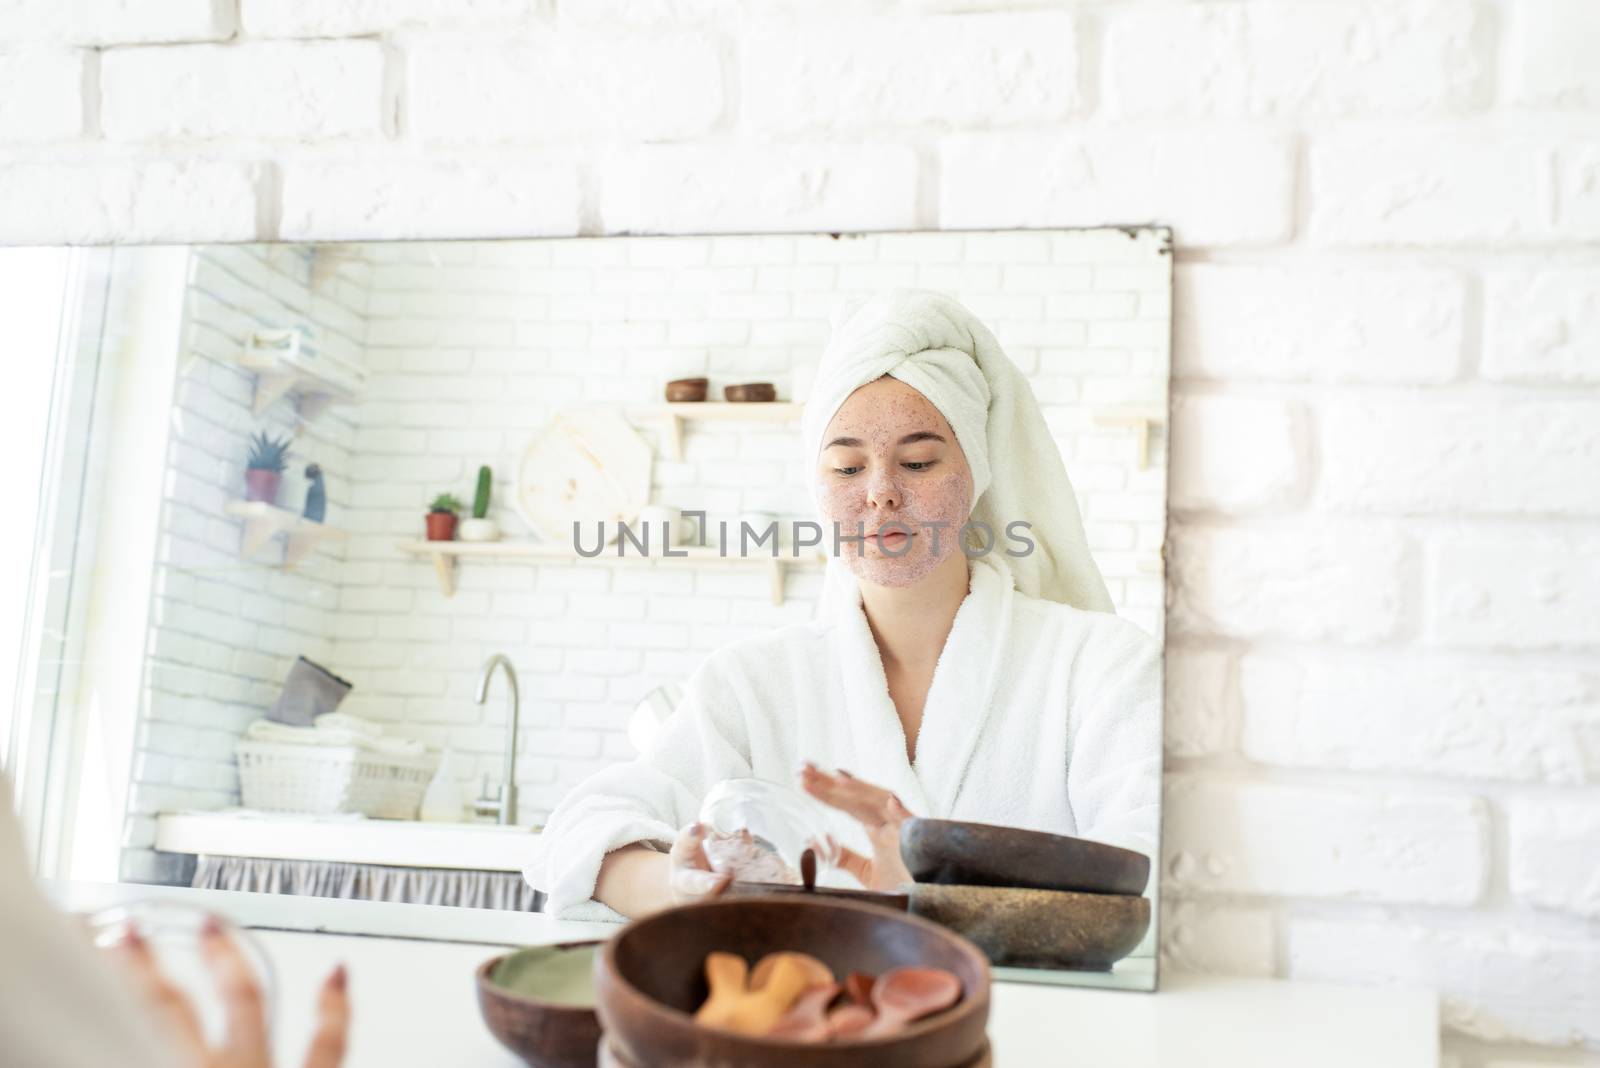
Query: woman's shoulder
(769, 649)
(1065, 623)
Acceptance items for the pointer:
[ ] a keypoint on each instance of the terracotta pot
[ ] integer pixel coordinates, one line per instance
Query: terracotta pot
(441, 526)
(261, 484)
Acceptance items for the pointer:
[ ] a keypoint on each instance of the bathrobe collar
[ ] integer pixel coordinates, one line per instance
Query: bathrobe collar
(958, 702)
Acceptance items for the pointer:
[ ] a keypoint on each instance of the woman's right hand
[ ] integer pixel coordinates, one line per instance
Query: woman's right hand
(246, 1041)
(690, 876)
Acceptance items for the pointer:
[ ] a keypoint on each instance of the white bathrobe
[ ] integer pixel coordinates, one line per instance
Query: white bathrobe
(1040, 715)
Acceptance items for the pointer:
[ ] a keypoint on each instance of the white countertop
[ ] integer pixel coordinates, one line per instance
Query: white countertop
(352, 839)
(414, 1002)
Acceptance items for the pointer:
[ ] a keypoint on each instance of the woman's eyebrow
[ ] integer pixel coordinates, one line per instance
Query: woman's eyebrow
(918, 435)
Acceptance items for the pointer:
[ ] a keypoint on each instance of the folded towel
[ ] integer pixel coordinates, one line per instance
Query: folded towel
(265, 730)
(344, 721)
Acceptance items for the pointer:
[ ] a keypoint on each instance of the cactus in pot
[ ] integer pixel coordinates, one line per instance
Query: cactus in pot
(442, 517)
(480, 527)
(263, 471)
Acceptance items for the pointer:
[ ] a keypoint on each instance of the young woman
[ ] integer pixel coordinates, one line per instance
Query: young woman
(953, 682)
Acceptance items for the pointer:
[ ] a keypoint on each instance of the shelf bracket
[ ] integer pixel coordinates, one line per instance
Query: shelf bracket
(444, 567)
(269, 389)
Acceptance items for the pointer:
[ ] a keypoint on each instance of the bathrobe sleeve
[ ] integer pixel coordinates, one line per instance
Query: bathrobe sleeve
(648, 799)
(1114, 767)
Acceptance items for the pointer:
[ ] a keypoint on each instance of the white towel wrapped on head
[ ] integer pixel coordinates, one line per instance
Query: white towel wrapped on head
(937, 347)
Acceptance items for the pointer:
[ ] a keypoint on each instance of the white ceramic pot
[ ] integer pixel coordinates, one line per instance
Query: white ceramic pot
(478, 530)
(660, 520)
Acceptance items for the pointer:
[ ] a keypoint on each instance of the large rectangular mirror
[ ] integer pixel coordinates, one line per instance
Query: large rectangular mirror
(388, 570)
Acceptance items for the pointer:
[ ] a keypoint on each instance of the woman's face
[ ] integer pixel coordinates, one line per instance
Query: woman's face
(890, 458)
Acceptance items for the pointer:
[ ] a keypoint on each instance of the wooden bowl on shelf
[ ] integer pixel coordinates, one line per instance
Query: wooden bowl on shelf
(681, 390)
(531, 1017)
(748, 392)
(651, 978)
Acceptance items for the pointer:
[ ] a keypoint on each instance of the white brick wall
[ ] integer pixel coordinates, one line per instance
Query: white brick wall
(1386, 213)
(224, 632)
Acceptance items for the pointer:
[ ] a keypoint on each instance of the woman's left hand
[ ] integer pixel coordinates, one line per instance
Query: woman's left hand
(879, 811)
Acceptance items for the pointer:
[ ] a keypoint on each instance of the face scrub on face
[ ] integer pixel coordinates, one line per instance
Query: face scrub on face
(921, 487)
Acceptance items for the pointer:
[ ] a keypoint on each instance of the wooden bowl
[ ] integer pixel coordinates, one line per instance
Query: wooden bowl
(680, 390)
(1038, 928)
(750, 391)
(650, 978)
(986, 854)
(545, 1033)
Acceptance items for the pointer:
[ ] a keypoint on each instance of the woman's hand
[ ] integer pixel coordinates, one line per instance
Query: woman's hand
(879, 811)
(246, 1041)
(689, 876)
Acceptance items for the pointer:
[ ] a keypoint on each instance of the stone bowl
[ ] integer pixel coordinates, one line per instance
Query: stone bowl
(1028, 928)
(650, 978)
(986, 854)
(545, 1031)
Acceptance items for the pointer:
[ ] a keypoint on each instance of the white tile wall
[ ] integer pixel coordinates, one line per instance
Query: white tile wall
(224, 631)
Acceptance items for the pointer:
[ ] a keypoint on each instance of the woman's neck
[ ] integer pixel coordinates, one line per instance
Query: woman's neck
(911, 623)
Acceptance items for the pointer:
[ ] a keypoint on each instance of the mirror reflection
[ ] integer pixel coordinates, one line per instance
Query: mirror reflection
(463, 572)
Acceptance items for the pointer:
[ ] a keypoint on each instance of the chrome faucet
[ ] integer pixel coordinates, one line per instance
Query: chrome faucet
(503, 807)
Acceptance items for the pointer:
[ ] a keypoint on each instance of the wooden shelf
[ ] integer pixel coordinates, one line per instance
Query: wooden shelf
(445, 554)
(670, 416)
(262, 521)
(284, 361)
(1141, 420)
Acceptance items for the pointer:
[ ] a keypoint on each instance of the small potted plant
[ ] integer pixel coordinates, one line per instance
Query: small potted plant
(442, 517)
(264, 470)
(480, 527)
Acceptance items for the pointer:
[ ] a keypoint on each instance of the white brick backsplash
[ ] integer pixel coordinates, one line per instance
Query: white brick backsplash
(1243, 196)
(1450, 188)
(426, 199)
(1543, 326)
(1304, 581)
(1555, 854)
(1498, 983)
(1336, 59)
(860, 74)
(1236, 454)
(270, 90)
(1202, 938)
(1513, 591)
(1549, 63)
(1491, 456)
(1444, 717)
(563, 85)
(180, 200)
(351, 18)
(116, 22)
(1255, 838)
(1202, 717)
(1317, 325)
(667, 188)
(41, 94)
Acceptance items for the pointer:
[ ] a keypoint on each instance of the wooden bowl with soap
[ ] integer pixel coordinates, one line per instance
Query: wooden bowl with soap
(651, 978)
(750, 393)
(539, 1002)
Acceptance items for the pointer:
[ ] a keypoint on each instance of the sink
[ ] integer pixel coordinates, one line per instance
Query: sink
(354, 839)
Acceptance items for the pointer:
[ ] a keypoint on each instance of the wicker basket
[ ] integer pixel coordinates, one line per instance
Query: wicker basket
(322, 779)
